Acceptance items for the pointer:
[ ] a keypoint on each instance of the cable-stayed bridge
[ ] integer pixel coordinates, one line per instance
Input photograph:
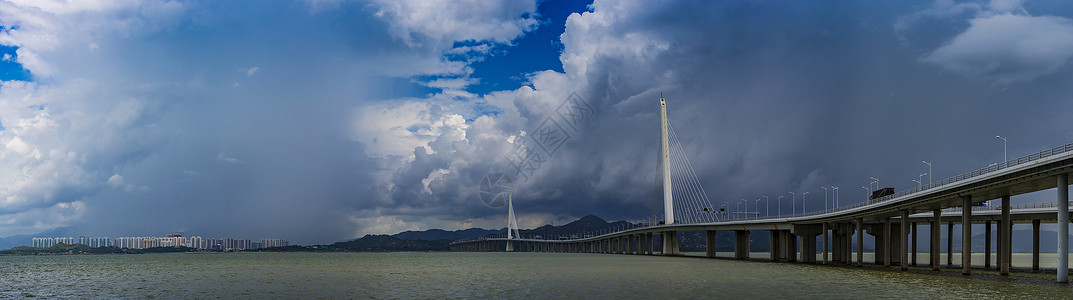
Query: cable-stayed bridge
(891, 219)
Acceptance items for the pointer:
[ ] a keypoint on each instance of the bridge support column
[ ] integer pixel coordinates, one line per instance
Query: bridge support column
(1005, 238)
(741, 244)
(888, 238)
(903, 250)
(836, 243)
(825, 237)
(1035, 245)
(789, 246)
(670, 243)
(1063, 228)
(987, 244)
(860, 242)
(934, 248)
(510, 246)
(846, 242)
(916, 239)
(648, 237)
(774, 243)
(966, 235)
(808, 247)
(709, 245)
(950, 244)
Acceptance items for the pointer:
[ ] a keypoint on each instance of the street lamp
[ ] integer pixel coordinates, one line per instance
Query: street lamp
(793, 203)
(738, 206)
(727, 204)
(757, 208)
(920, 178)
(929, 170)
(1003, 147)
(824, 197)
(779, 200)
(834, 189)
(876, 180)
(918, 183)
(867, 193)
(767, 205)
(803, 201)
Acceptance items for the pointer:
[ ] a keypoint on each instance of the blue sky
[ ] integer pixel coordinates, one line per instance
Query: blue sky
(536, 51)
(10, 69)
(324, 120)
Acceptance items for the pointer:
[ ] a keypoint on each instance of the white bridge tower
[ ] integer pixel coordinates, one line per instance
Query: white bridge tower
(512, 223)
(670, 238)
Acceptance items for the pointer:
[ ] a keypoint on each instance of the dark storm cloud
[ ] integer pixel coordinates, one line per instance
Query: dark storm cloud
(775, 98)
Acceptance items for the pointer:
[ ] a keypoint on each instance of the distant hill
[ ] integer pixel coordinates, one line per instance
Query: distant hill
(25, 239)
(383, 243)
(440, 234)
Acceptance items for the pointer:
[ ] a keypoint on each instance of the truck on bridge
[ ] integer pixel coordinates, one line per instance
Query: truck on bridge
(880, 193)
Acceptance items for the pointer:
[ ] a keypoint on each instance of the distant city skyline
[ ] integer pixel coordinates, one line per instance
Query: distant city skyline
(168, 240)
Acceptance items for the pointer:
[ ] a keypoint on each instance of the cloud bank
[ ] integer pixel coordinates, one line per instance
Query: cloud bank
(320, 121)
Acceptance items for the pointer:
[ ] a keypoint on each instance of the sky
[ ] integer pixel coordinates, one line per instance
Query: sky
(325, 120)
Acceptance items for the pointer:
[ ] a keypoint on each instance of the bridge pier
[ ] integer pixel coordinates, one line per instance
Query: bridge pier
(670, 243)
(916, 239)
(966, 235)
(825, 237)
(787, 247)
(987, 244)
(709, 243)
(950, 244)
(1005, 238)
(860, 242)
(934, 247)
(773, 244)
(903, 250)
(648, 237)
(1063, 227)
(1035, 245)
(888, 241)
(847, 243)
(741, 244)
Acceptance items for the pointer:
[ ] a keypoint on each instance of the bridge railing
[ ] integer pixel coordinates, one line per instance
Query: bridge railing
(946, 182)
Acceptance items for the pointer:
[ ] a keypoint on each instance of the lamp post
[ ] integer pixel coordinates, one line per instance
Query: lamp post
(767, 205)
(920, 179)
(867, 193)
(779, 200)
(793, 203)
(1003, 147)
(803, 201)
(918, 183)
(738, 206)
(757, 208)
(876, 180)
(835, 194)
(929, 170)
(824, 197)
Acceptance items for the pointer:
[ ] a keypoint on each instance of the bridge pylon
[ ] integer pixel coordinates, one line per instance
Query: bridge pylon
(512, 223)
(670, 238)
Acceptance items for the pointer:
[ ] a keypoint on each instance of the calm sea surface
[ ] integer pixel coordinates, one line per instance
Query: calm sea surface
(492, 275)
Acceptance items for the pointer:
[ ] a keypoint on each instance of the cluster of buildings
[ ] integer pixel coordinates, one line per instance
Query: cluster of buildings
(168, 240)
(84, 240)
